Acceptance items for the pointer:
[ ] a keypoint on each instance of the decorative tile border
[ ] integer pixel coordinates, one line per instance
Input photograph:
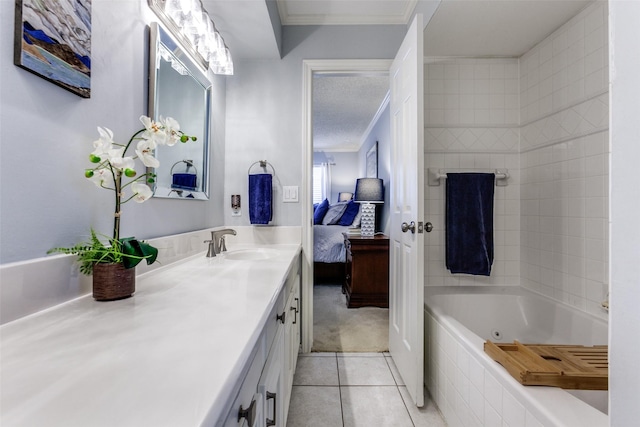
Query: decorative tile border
(482, 139)
(582, 119)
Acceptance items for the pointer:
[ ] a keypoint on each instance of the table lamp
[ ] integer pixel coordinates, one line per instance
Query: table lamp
(369, 191)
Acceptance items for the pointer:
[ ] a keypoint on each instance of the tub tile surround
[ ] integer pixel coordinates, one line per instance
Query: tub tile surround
(470, 391)
(178, 315)
(551, 220)
(565, 163)
(31, 286)
(478, 99)
(544, 116)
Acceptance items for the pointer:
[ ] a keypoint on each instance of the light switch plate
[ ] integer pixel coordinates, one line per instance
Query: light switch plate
(290, 194)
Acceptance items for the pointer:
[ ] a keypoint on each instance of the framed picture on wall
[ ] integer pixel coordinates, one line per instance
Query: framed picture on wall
(372, 161)
(53, 40)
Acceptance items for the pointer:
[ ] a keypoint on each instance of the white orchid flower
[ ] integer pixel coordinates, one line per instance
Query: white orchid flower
(141, 192)
(114, 153)
(104, 143)
(102, 177)
(154, 131)
(172, 130)
(123, 163)
(144, 150)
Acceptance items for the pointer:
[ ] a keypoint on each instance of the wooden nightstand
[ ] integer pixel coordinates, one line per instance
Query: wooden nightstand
(367, 271)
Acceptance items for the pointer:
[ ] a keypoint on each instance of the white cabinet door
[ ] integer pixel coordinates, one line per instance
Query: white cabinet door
(291, 340)
(271, 385)
(246, 410)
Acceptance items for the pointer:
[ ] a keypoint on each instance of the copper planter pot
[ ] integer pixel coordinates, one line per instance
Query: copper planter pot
(113, 282)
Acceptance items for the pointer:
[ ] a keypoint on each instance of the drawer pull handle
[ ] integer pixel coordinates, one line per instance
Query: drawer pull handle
(295, 314)
(297, 305)
(249, 414)
(273, 396)
(281, 317)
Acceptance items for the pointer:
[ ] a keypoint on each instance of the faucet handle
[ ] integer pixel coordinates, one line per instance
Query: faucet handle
(223, 245)
(211, 251)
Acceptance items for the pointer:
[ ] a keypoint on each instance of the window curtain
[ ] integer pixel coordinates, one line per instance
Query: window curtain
(321, 182)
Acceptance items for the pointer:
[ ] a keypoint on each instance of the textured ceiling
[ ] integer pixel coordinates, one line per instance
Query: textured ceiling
(343, 108)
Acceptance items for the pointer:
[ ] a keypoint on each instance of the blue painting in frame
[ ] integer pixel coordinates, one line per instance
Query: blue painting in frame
(53, 41)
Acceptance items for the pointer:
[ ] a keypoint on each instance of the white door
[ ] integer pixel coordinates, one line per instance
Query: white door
(406, 274)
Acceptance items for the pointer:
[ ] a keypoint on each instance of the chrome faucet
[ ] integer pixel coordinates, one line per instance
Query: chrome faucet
(217, 242)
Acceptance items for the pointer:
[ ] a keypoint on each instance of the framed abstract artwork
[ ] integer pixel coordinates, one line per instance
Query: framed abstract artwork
(53, 41)
(372, 161)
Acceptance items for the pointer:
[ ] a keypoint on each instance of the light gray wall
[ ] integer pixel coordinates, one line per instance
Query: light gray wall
(47, 132)
(624, 320)
(344, 171)
(264, 107)
(381, 132)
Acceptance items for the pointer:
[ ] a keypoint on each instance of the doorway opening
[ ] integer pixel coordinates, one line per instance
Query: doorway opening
(338, 150)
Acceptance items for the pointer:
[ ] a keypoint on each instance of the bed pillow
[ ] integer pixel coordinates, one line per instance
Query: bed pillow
(334, 213)
(350, 213)
(320, 212)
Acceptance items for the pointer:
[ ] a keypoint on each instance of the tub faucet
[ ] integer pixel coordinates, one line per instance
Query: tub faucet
(605, 302)
(217, 242)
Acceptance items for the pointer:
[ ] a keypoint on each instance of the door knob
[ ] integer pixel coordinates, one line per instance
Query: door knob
(406, 227)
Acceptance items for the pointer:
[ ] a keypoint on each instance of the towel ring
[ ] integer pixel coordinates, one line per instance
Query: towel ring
(263, 164)
(189, 165)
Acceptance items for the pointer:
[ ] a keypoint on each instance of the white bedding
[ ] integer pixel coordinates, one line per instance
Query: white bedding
(328, 243)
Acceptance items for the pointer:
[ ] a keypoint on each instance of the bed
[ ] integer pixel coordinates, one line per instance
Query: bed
(329, 254)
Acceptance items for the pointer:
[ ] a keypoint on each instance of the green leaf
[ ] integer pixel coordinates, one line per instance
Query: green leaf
(135, 251)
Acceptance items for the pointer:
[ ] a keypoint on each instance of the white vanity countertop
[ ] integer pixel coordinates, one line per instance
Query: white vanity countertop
(169, 356)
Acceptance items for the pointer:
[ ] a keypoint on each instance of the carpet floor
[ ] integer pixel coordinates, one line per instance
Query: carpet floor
(337, 328)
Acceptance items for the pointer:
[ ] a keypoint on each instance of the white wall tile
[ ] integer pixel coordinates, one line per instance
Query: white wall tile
(565, 188)
(553, 232)
(491, 416)
(492, 392)
(532, 421)
(512, 411)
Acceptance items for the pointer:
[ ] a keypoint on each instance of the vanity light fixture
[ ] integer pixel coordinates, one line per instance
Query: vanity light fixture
(190, 23)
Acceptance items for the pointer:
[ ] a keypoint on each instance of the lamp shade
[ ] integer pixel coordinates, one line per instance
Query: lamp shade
(345, 196)
(369, 190)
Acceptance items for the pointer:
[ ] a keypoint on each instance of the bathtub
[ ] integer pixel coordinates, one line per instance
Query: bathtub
(471, 389)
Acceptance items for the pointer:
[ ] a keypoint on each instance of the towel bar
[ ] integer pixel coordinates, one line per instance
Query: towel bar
(263, 164)
(187, 180)
(435, 175)
(189, 165)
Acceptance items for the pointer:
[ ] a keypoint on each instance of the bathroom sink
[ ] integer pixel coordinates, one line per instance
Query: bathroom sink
(252, 254)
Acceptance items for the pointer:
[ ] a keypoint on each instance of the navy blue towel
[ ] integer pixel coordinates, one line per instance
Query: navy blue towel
(185, 181)
(469, 223)
(260, 198)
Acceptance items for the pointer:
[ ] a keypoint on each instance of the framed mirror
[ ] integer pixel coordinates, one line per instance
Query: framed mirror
(178, 88)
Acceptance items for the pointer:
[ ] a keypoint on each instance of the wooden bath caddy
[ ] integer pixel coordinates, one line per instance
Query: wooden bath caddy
(565, 366)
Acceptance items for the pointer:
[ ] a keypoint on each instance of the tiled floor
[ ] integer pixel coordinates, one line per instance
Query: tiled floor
(354, 389)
